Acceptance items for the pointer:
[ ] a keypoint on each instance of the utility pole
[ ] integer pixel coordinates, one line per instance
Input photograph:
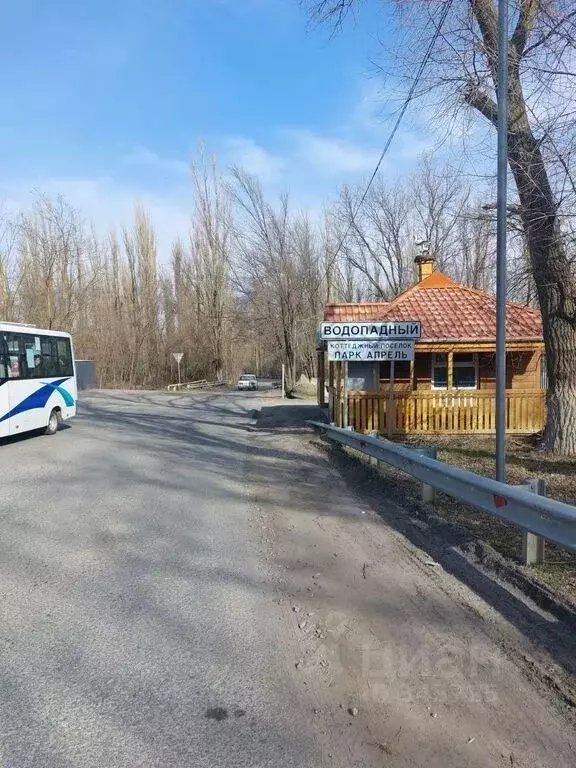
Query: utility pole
(501, 223)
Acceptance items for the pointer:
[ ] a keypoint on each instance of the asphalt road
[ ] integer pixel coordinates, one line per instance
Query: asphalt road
(177, 589)
(134, 619)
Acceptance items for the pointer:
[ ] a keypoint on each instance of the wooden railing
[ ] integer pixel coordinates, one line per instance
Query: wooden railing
(454, 412)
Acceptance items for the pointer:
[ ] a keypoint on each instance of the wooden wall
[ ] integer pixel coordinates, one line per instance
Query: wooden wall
(523, 372)
(402, 380)
(423, 371)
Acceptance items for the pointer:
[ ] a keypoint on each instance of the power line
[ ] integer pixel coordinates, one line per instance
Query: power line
(401, 114)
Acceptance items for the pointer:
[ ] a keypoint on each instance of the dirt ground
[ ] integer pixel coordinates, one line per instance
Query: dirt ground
(411, 656)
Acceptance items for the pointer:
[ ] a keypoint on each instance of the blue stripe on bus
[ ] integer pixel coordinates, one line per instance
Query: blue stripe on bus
(39, 398)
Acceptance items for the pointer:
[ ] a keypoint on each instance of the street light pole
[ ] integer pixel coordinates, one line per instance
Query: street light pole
(501, 222)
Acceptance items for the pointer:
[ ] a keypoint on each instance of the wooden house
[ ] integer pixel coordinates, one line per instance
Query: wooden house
(450, 385)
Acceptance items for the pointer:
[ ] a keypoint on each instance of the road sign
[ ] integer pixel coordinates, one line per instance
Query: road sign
(178, 357)
(392, 350)
(381, 331)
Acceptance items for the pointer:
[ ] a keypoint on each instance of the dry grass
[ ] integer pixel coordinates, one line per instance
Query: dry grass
(306, 389)
(524, 461)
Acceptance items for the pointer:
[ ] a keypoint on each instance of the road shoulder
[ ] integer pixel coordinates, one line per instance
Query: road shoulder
(404, 661)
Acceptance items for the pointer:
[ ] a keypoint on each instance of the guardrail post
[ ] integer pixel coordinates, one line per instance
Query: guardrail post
(371, 459)
(532, 545)
(428, 492)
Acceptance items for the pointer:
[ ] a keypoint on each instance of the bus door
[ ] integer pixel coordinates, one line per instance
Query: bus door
(19, 386)
(4, 388)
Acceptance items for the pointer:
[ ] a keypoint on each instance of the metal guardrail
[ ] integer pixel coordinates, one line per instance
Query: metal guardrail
(553, 520)
(189, 385)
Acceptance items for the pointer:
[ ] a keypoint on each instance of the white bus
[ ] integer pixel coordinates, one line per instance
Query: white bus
(37, 379)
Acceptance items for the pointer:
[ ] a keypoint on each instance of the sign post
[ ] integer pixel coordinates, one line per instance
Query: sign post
(178, 357)
(345, 395)
(390, 421)
(283, 379)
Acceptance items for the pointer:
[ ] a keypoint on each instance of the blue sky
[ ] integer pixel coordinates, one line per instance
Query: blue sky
(106, 102)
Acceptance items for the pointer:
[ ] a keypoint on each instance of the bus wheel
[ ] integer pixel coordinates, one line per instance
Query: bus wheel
(53, 423)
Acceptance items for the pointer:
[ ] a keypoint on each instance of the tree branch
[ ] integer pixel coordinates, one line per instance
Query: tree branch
(551, 32)
(525, 24)
(484, 11)
(476, 98)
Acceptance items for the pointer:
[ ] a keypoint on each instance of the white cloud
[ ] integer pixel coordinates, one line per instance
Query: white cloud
(369, 111)
(245, 152)
(109, 204)
(144, 157)
(331, 155)
(308, 164)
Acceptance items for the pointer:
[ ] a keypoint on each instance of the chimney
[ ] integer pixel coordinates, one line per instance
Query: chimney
(424, 260)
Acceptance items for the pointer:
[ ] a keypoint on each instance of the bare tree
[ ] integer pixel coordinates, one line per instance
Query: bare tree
(280, 265)
(264, 241)
(211, 253)
(474, 263)
(52, 244)
(9, 273)
(440, 199)
(379, 237)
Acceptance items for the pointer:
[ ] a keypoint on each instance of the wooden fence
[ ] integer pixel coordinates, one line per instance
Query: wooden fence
(442, 412)
(198, 384)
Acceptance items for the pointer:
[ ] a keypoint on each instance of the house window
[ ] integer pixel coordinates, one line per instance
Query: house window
(465, 371)
(439, 371)
(401, 372)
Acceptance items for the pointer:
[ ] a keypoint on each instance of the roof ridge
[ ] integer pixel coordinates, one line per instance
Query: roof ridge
(355, 303)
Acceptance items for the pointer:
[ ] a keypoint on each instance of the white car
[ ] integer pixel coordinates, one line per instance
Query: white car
(248, 381)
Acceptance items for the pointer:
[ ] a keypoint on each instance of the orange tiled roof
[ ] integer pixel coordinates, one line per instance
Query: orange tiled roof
(447, 310)
(349, 313)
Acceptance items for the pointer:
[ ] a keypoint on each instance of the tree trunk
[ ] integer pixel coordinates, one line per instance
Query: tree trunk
(553, 276)
(552, 273)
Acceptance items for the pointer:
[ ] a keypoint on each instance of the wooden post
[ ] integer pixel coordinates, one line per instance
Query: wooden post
(338, 399)
(390, 421)
(450, 371)
(533, 546)
(321, 379)
(331, 393)
(344, 394)
(411, 404)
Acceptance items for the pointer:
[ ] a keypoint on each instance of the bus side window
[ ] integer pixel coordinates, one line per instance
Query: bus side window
(3, 358)
(49, 357)
(15, 356)
(65, 366)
